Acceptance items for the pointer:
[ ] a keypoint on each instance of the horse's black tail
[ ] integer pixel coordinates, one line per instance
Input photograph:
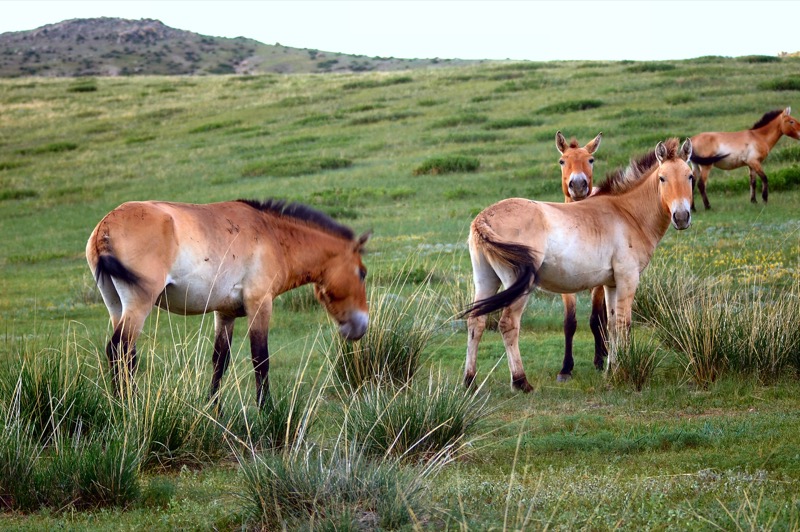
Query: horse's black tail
(707, 161)
(518, 257)
(109, 266)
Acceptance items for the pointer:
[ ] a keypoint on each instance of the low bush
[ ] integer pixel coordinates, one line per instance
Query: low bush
(295, 166)
(448, 164)
(791, 83)
(571, 106)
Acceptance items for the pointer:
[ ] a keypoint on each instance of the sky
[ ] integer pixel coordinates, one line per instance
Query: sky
(539, 30)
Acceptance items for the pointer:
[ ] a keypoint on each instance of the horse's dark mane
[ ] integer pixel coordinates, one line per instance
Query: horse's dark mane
(303, 213)
(573, 143)
(623, 179)
(768, 117)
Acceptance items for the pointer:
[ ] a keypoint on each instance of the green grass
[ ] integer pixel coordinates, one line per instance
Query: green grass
(672, 442)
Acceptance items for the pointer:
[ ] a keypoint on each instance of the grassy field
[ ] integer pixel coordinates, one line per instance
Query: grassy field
(694, 449)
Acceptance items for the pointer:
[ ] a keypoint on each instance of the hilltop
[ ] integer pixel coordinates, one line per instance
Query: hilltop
(120, 47)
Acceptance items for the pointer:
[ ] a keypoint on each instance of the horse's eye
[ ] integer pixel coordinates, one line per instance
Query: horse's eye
(362, 273)
(591, 161)
(561, 162)
(691, 177)
(662, 179)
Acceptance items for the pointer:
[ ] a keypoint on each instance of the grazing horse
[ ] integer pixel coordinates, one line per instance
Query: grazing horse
(232, 258)
(742, 148)
(607, 240)
(576, 182)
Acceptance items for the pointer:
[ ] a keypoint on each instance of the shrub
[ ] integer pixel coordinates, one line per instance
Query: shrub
(460, 120)
(650, 67)
(53, 147)
(509, 123)
(19, 453)
(759, 59)
(374, 83)
(571, 106)
(87, 85)
(784, 84)
(448, 164)
(295, 166)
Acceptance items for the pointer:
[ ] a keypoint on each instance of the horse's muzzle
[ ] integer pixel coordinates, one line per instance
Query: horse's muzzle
(682, 219)
(355, 327)
(578, 187)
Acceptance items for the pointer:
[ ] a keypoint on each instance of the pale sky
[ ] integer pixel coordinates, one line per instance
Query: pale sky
(540, 30)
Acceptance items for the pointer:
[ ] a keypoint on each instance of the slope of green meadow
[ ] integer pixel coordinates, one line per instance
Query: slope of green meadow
(681, 453)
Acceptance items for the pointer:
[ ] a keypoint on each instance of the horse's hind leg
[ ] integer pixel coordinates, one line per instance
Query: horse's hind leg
(509, 327)
(223, 333)
(598, 322)
(121, 350)
(701, 185)
(570, 326)
(259, 314)
(756, 170)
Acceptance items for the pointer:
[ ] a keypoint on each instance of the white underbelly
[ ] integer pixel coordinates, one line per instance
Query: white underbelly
(196, 296)
(564, 276)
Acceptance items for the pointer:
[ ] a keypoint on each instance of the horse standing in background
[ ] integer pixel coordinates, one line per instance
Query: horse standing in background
(577, 170)
(232, 258)
(742, 148)
(607, 239)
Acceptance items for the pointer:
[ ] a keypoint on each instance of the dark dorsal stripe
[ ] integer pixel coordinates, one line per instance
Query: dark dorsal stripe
(302, 213)
(623, 179)
(767, 118)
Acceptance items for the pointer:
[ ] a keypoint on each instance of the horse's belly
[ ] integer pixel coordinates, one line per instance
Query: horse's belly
(187, 298)
(569, 277)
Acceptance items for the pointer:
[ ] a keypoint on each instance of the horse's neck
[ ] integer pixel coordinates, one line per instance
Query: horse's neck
(642, 207)
(307, 255)
(770, 133)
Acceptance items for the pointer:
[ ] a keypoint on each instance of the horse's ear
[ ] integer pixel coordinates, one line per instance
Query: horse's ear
(787, 111)
(362, 241)
(561, 142)
(661, 152)
(592, 146)
(686, 150)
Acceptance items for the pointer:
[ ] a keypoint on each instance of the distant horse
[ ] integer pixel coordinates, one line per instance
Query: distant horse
(577, 170)
(742, 148)
(232, 258)
(608, 240)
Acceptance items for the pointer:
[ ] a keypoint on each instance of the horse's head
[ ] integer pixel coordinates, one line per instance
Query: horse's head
(576, 166)
(789, 124)
(342, 290)
(675, 181)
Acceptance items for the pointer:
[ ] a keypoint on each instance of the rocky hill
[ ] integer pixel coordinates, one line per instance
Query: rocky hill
(113, 47)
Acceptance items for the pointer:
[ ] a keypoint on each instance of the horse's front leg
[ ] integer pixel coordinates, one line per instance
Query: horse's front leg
(223, 333)
(259, 333)
(598, 322)
(510, 326)
(620, 318)
(570, 326)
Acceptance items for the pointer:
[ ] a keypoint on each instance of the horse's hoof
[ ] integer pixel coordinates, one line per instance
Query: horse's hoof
(522, 384)
(469, 380)
(564, 377)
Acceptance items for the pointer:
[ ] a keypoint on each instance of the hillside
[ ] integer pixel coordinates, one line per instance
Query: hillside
(114, 47)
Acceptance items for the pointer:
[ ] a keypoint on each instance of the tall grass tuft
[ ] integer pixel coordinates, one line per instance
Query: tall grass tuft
(419, 421)
(401, 326)
(50, 392)
(337, 489)
(715, 326)
(636, 362)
